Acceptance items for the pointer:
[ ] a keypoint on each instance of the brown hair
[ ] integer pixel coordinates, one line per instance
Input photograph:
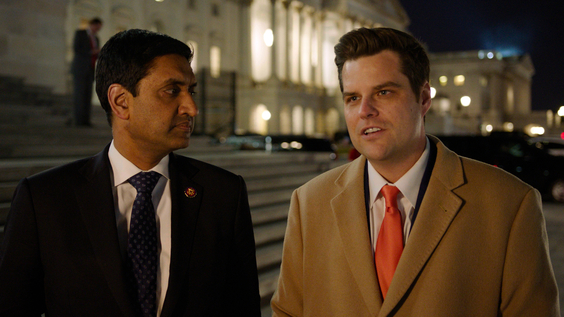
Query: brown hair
(366, 42)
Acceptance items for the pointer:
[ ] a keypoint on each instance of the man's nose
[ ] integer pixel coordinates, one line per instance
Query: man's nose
(188, 106)
(368, 108)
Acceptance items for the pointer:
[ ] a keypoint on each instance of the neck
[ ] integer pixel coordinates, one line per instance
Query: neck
(394, 168)
(144, 160)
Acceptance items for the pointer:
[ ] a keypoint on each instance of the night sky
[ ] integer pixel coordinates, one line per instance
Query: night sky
(533, 27)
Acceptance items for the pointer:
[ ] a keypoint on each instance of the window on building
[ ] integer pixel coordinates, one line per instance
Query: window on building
(297, 120)
(215, 61)
(459, 80)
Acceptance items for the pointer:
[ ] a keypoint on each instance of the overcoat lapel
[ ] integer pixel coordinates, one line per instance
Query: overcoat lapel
(185, 213)
(438, 208)
(94, 197)
(349, 210)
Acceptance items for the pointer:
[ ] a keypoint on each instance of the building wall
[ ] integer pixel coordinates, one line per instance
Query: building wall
(32, 42)
(295, 79)
(499, 89)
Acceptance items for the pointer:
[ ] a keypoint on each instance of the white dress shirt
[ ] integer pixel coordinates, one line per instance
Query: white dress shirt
(124, 196)
(408, 185)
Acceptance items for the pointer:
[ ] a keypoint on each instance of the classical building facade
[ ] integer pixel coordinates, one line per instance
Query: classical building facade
(266, 66)
(479, 92)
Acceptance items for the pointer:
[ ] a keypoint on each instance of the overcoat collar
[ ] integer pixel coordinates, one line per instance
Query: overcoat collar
(439, 207)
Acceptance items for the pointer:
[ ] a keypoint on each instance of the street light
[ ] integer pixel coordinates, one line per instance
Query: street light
(266, 115)
(465, 101)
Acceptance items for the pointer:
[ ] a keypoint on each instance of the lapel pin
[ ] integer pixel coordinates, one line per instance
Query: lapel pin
(190, 192)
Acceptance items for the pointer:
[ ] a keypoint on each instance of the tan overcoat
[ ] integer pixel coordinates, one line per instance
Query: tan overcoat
(478, 247)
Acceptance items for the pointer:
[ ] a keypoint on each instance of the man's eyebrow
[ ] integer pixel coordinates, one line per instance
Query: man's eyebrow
(386, 84)
(378, 87)
(175, 81)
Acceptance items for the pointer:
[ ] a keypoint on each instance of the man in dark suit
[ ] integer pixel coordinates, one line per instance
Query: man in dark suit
(86, 46)
(68, 244)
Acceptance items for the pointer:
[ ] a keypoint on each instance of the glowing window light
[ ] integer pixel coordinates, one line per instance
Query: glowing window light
(489, 128)
(561, 111)
(490, 55)
(266, 115)
(433, 92)
(481, 54)
(459, 80)
(215, 61)
(268, 37)
(443, 80)
(465, 101)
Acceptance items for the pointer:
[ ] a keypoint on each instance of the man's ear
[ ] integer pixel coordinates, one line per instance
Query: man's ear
(425, 98)
(119, 97)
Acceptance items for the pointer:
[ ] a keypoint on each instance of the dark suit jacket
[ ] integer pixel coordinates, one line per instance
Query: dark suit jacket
(61, 252)
(82, 60)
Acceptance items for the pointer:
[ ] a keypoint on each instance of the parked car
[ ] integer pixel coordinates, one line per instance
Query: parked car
(513, 153)
(554, 146)
(282, 143)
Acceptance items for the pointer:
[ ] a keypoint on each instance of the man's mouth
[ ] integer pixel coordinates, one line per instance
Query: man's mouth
(185, 126)
(371, 130)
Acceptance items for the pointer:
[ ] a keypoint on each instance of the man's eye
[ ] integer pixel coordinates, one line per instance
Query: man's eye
(352, 98)
(173, 91)
(383, 92)
(192, 93)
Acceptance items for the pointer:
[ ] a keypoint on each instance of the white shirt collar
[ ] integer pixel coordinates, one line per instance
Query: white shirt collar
(408, 184)
(123, 169)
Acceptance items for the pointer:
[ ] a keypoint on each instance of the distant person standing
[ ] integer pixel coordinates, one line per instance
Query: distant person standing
(86, 47)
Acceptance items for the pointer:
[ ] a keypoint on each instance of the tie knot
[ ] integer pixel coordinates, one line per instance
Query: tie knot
(145, 182)
(390, 194)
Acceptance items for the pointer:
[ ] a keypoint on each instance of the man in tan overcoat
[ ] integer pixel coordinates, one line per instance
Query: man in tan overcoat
(472, 238)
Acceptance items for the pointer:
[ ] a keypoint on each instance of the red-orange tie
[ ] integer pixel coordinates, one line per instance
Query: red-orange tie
(390, 240)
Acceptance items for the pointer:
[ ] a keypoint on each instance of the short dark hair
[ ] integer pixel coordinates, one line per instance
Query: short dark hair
(366, 42)
(95, 21)
(127, 58)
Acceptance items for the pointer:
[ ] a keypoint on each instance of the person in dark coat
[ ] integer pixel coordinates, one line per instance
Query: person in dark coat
(86, 46)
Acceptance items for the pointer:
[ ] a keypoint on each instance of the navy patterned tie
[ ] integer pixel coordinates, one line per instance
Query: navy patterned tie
(143, 243)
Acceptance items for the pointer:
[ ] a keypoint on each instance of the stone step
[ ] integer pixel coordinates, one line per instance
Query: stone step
(270, 197)
(271, 213)
(270, 233)
(7, 191)
(73, 141)
(269, 256)
(268, 281)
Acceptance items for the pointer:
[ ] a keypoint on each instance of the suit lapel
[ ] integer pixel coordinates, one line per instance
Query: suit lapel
(96, 204)
(185, 212)
(438, 208)
(349, 211)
